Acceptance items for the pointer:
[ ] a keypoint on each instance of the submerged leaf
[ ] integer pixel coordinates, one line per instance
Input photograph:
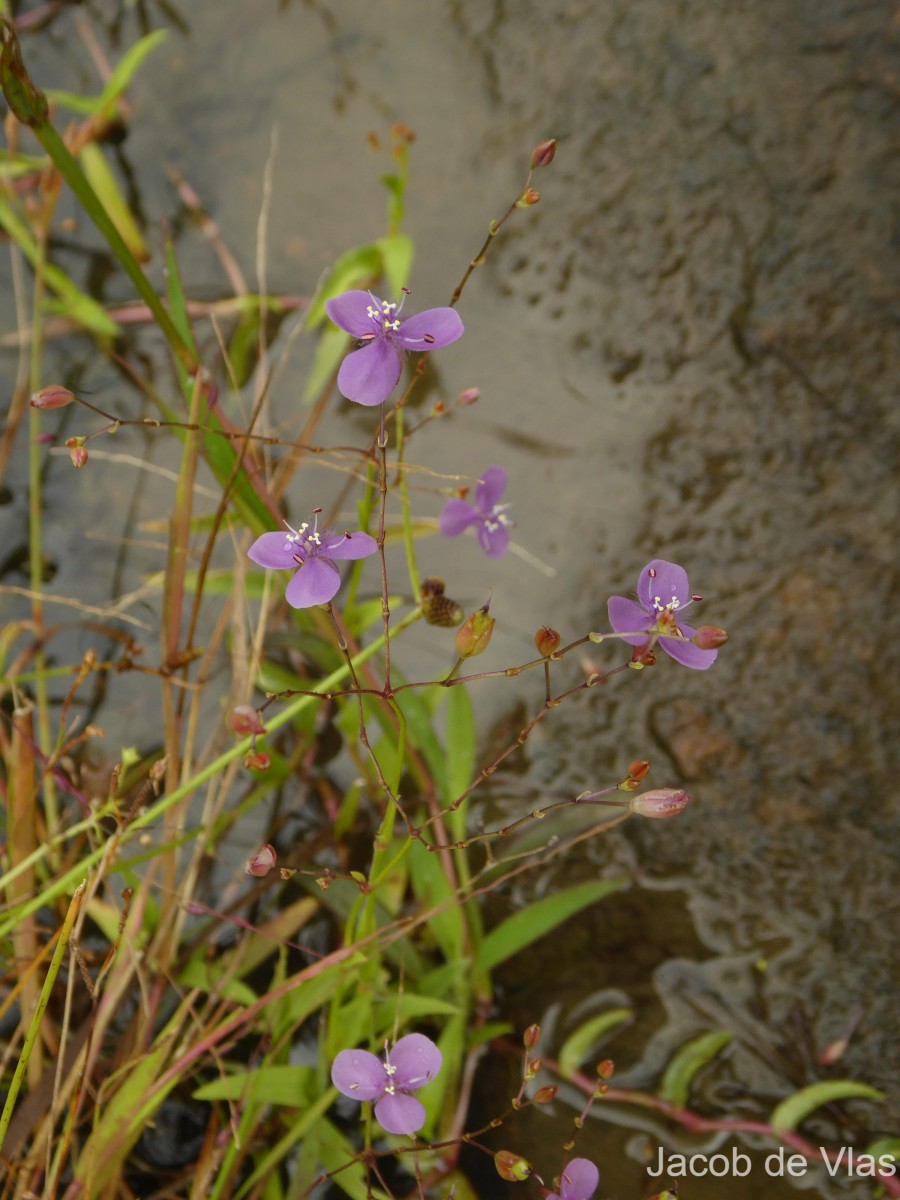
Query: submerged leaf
(796, 1108)
(679, 1074)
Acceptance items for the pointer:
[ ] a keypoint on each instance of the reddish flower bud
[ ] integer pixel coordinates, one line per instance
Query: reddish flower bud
(54, 395)
(77, 452)
(528, 198)
(473, 635)
(257, 760)
(532, 1066)
(638, 770)
(547, 641)
(512, 1167)
(262, 861)
(606, 1068)
(531, 1036)
(709, 637)
(542, 154)
(545, 1094)
(664, 802)
(468, 396)
(245, 719)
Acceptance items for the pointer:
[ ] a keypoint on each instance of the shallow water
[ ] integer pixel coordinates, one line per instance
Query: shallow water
(685, 351)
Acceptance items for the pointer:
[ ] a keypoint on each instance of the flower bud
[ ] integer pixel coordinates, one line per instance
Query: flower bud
(709, 637)
(473, 635)
(531, 1036)
(257, 760)
(545, 1094)
(547, 641)
(532, 1066)
(638, 770)
(528, 198)
(542, 154)
(512, 1167)
(664, 802)
(468, 396)
(77, 451)
(54, 395)
(245, 719)
(606, 1068)
(262, 861)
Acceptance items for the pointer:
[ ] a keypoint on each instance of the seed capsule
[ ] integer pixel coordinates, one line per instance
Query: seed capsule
(438, 609)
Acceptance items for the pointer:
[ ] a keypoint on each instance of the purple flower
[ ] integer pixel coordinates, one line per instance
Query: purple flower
(662, 591)
(578, 1181)
(310, 554)
(369, 375)
(489, 516)
(413, 1062)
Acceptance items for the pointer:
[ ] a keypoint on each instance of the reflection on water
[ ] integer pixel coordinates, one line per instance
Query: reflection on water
(682, 352)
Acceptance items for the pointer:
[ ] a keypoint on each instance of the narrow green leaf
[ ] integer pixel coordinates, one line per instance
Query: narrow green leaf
(524, 928)
(331, 347)
(409, 1006)
(462, 738)
(795, 1109)
(397, 257)
(103, 181)
(354, 268)
(125, 69)
(687, 1061)
(273, 1084)
(73, 303)
(583, 1042)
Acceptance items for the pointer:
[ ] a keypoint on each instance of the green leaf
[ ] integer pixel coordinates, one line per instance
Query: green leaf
(583, 1042)
(396, 256)
(291, 1086)
(73, 303)
(795, 1109)
(409, 1006)
(354, 268)
(124, 70)
(687, 1061)
(462, 737)
(332, 345)
(524, 928)
(101, 178)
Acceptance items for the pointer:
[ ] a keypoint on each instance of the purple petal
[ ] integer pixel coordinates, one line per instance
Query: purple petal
(667, 583)
(456, 517)
(350, 311)
(359, 1075)
(416, 1059)
(348, 545)
(315, 583)
(579, 1180)
(625, 615)
(399, 1113)
(430, 329)
(494, 538)
(490, 489)
(685, 652)
(369, 375)
(273, 550)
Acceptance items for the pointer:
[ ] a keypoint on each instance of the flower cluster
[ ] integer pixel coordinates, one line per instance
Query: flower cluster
(413, 1062)
(310, 554)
